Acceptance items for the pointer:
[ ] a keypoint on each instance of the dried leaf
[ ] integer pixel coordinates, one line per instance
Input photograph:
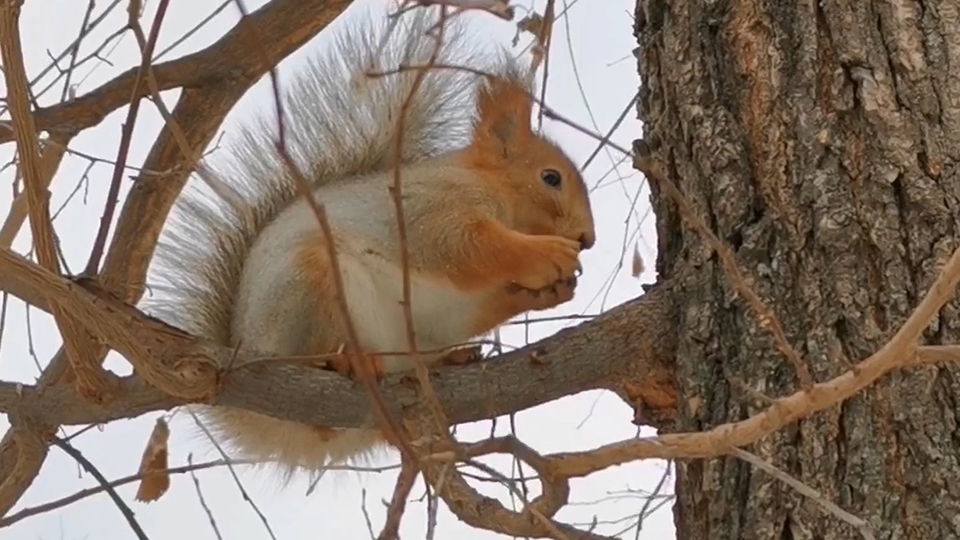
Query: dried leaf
(638, 266)
(153, 466)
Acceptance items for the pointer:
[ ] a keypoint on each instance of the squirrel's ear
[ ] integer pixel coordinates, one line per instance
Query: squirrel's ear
(504, 109)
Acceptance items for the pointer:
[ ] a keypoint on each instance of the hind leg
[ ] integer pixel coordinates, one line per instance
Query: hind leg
(330, 333)
(506, 304)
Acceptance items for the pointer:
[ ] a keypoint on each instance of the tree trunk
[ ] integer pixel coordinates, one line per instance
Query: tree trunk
(821, 142)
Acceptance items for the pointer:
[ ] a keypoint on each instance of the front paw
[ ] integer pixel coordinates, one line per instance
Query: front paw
(552, 260)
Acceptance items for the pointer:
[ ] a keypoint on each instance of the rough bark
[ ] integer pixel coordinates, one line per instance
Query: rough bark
(820, 140)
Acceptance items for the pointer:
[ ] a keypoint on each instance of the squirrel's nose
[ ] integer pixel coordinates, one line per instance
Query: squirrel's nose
(586, 241)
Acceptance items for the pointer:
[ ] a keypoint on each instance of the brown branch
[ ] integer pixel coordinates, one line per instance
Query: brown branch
(360, 362)
(92, 381)
(22, 459)
(234, 57)
(765, 315)
(144, 341)
(214, 80)
(50, 160)
(440, 421)
(398, 503)
(555, 489)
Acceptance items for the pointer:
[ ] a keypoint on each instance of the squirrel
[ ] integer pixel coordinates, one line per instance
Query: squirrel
(496, 216)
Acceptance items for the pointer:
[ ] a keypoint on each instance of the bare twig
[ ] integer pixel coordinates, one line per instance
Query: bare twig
(236, 479)
(75, 48)
(765, 314)
(396, 192)
(90, 468)
(862, 526)
(126, 136)
(203, 502)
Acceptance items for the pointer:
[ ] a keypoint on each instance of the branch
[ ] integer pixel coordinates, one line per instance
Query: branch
(628, 345)
(50, 160)
(901, 351)
(92, 381)
(144, 341)
(214, 80)
(90, 468)
(234, 57)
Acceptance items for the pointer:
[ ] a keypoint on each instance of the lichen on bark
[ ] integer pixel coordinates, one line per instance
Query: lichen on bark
(821, 141)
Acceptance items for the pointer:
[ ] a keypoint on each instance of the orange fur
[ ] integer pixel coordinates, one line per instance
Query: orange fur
(494, 255)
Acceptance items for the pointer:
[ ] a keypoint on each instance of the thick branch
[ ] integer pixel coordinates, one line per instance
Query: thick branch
(630, 344)
(235, 57)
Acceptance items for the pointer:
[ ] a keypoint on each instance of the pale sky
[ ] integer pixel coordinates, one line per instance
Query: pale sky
(592, 79)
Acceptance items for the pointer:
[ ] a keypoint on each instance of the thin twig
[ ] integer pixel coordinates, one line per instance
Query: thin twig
(203, 502)
(764, 313)
(862, 526)
(544, 38)
(126, 136)
(236, 478)
(649, 500)
(90, 468)
(75, 48)
(396, 192)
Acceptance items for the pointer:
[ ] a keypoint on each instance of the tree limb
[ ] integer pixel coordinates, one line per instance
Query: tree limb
(235, 57)
(204, 104)
(629, 344)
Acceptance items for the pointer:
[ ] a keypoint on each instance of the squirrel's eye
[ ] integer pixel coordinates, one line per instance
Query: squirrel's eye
(551, 178)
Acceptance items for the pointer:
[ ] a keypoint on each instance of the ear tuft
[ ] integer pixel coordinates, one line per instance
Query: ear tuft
(504, 107)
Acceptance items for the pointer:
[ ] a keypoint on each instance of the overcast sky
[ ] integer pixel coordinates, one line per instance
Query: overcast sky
(592, 79)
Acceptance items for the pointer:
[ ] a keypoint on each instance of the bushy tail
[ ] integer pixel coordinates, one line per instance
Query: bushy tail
(340, 123)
